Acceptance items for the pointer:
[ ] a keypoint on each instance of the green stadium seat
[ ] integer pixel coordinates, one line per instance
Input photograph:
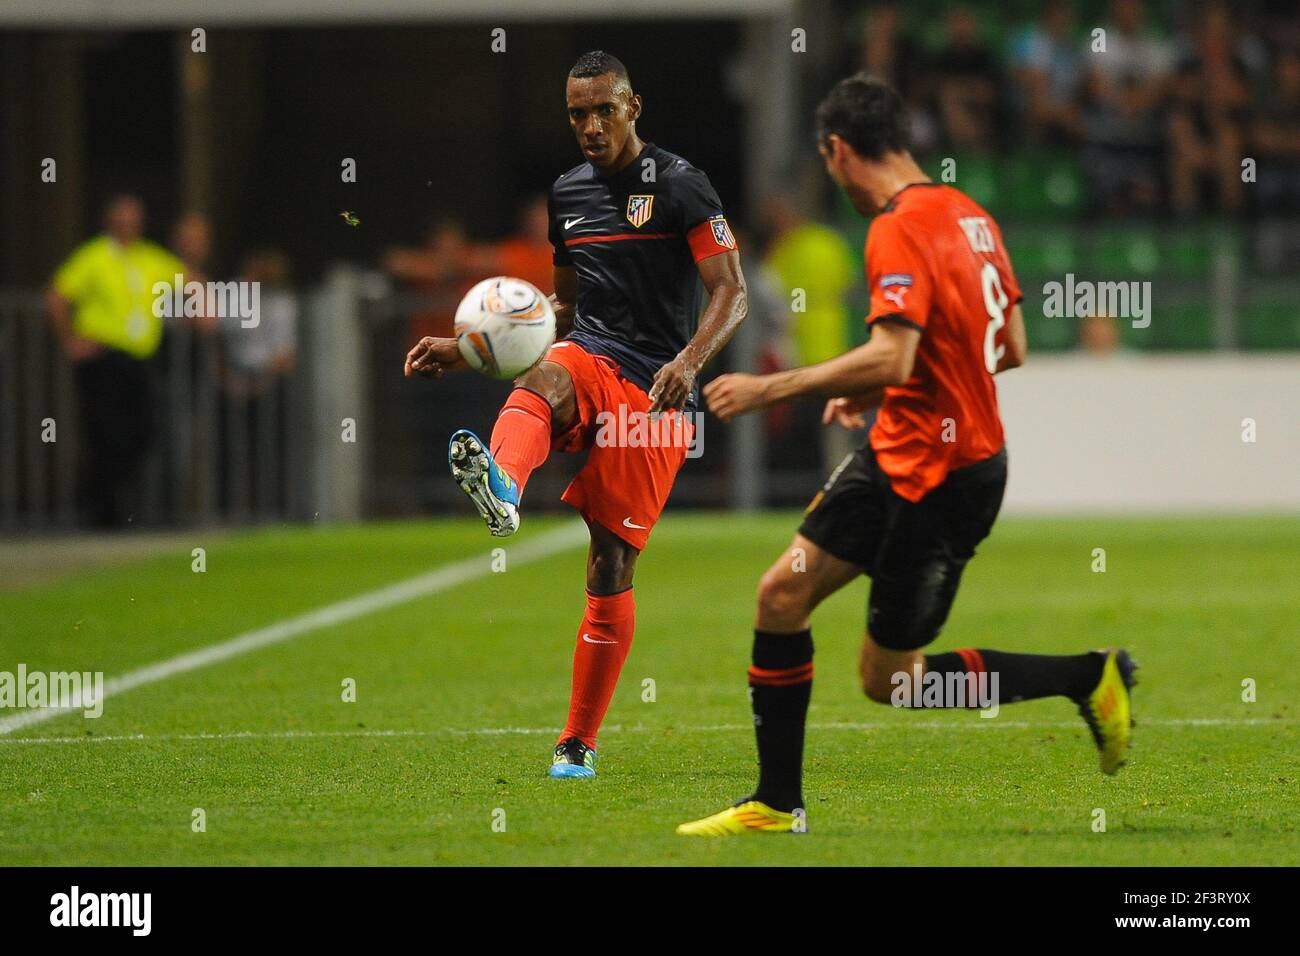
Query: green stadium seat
(1127, 252)
(1044, 334)
(1041, 251)
(1181, 326)
(1188, 253)
(1040, 187)
(977, 177)
(1269, 324)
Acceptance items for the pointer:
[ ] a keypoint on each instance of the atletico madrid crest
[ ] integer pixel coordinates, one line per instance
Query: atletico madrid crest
(722, 233)
(638, 209)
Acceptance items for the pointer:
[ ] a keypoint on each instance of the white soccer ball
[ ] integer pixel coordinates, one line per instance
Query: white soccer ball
(504, 326)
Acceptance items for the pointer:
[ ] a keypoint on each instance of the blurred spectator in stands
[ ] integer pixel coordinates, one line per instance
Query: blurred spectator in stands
(1099, 335)
(1275, 138)
(101, 306)
(967, 85)
(440, 272)
(258, 356)
(1210, 96)
(887, 51)
(1122, 152)
(768, 323)
(435, 276)
(191, 240)
(1123, 138)
(526, 254)
(814, 260)
(1131, 72)
(769, 306)
(1049, 70)
(815, 269)
(192, 243)
(255, 415)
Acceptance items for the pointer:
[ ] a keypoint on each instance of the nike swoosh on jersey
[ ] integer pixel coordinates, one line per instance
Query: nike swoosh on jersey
(569, 223)
(627, 523)
(591, 640)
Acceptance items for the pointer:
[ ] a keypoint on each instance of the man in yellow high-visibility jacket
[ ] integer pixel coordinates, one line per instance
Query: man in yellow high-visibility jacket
(101, 306)
(816, 267)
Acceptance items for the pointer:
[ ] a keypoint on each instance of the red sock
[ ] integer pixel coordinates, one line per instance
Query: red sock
(521, 438)
(603, 642)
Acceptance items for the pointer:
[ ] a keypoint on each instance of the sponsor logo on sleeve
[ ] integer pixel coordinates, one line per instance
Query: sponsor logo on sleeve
(894, 285)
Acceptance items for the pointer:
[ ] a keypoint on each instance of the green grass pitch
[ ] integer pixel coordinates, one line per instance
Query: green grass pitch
(459, 694)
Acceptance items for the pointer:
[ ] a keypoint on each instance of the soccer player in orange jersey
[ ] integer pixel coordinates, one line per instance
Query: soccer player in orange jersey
(910, 506)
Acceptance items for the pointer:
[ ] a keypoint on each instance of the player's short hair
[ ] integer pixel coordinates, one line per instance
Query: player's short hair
(598, 63)
(865, 112)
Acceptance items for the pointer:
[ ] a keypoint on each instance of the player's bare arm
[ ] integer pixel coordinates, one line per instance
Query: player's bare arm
(59, 311)
(886, 359)
(565, 299)
(432, 356)
(727, 308)
(846, 410)
(1017, 343)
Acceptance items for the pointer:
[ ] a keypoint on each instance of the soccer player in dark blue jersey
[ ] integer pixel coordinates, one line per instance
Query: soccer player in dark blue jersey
(633, 228)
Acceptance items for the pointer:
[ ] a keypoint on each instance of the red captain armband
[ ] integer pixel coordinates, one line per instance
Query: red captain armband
(710, 238)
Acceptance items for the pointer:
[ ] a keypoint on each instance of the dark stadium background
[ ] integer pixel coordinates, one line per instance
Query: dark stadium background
(436, 124)
(253, 134)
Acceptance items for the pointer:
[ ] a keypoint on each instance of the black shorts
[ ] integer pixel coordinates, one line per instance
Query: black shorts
(914, 552)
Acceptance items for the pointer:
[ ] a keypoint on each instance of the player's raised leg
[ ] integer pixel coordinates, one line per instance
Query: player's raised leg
(917, 572)
(780, 687)
(1098, 682)
(493, 477)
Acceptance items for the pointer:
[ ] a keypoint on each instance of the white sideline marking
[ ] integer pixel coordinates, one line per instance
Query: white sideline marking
(640, 728)
(431, 582)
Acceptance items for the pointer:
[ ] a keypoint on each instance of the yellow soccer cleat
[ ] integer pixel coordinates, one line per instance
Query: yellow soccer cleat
(1107, 709)
(748, 816)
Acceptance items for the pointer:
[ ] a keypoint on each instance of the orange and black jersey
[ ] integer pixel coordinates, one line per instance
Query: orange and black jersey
(634, 239)
(936, 262)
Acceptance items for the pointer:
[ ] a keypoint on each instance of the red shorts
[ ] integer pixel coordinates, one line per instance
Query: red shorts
(632, 462)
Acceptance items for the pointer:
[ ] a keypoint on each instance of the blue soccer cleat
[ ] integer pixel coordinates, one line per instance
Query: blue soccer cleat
(494, 493)
(573, 758)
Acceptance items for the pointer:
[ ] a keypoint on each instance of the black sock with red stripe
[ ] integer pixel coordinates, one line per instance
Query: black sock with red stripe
(780, 685)
(1018, 676)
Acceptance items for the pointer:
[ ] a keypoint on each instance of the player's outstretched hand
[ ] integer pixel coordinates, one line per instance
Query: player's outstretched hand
(734, 394)
(672, 386)
(431, 357)
(846, 412)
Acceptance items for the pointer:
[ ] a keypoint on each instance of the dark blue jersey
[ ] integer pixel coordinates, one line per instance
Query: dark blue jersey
(634, 239)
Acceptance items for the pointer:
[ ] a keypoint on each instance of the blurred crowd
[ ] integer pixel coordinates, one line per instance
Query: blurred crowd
(440, 270)
(1162, 114)
(1168, 115)
(102, 308)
